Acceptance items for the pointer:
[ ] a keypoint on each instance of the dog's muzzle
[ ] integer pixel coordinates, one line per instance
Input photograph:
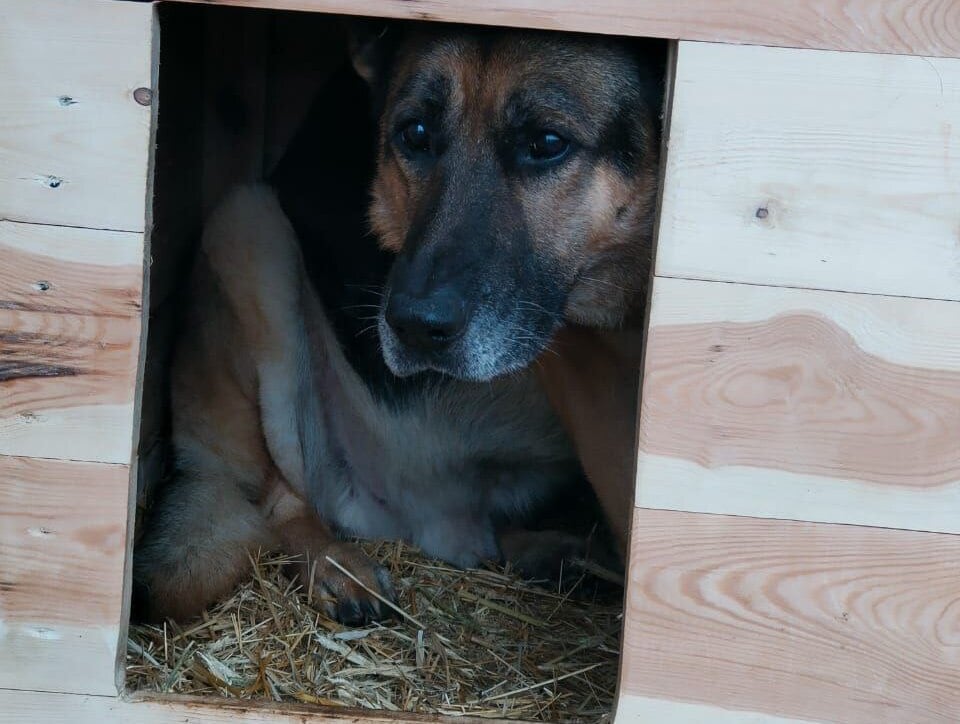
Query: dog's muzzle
(427, 325)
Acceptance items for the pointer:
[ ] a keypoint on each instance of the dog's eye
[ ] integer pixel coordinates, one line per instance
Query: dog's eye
(415, 136)
(548, 146)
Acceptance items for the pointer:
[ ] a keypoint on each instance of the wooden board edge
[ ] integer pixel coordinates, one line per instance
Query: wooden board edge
(659, 20)
(634, 709)
(20, 705)
(127, 585)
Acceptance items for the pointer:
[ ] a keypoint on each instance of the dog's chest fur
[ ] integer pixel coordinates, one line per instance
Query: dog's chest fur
(433, 460)
(442, 466)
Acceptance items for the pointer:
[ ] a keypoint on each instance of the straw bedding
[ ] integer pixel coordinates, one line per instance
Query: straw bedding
(481, 642)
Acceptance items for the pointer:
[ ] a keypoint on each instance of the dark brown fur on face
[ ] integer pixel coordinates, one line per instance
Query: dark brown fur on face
(514, 244)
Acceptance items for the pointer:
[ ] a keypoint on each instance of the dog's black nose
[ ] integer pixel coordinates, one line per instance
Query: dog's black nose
(427, 323)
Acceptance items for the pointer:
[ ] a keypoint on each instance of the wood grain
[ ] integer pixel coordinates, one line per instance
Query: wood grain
(911, 27)
(796, 620)
(67, 385)
(62, 530)
(814, 169)
(798, 404)
(70, 304)
(17, 707)
(73, 141)
(71, 270)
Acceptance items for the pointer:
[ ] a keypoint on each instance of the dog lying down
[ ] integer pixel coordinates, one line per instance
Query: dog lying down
(281, 444)
(515, 175)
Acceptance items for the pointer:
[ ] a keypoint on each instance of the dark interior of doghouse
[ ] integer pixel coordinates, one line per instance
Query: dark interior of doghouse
(251, 94)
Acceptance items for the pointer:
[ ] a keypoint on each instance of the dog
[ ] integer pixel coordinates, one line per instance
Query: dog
(281, 444)
(516, 182)
(512, 194)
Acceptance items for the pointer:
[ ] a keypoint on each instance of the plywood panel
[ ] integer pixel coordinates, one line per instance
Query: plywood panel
(915, 27)
(62, 528)
(793, 620)
(799, 404)
(17, 707)
(67, 385)
(814, 169)
(73, 140)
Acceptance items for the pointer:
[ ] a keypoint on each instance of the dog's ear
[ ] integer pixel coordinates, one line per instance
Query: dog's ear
(371, 43)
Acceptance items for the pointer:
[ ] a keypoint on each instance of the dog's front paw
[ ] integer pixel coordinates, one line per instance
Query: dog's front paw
(542, 554)
(555, 556)
(348, 585)
(466, 543)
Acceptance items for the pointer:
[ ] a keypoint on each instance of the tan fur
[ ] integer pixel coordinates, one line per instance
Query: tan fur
(592, 381)
(233, 392)
(280, 444)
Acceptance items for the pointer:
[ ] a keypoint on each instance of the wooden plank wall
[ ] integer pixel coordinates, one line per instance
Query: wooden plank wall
(74, 150)
(795, 555)
(910, 27)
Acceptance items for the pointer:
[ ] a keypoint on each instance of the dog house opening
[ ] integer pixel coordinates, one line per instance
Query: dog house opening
(355, 490)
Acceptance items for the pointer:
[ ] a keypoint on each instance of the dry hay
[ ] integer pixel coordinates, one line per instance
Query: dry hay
(479, 642)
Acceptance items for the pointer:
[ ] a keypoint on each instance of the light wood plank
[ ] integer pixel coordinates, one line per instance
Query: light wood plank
(62, 545)
(795, 620)
(798, 404)
(67, 385)
(644, 710)
(73, 141)
(17, 707)
(814, 169)
(912, 27)
(70, 305)
(129, 518)
(63, 269)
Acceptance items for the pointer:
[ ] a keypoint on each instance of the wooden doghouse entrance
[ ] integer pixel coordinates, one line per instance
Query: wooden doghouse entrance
(798, 489)
(262, 94)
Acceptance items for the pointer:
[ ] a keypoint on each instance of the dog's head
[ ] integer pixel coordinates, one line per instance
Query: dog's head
(516, 180)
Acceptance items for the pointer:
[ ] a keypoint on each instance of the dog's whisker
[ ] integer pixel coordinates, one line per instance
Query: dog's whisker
(605, 282)
(360, 306)
(368, 328)
(533, 306)
(368, 288)
(536, 307)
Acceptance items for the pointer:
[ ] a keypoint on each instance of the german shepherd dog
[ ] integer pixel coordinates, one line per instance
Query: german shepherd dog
(514, 176)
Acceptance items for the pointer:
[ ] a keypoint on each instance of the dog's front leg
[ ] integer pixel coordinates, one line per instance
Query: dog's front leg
(593, 383)
(348, 585)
